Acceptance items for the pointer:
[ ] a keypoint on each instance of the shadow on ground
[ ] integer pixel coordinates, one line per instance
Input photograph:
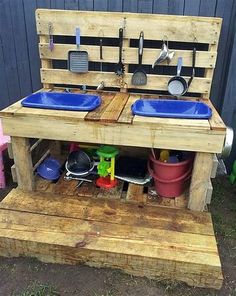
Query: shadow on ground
(29, 277)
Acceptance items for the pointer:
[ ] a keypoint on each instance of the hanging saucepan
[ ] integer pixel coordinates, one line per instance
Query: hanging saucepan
(178, 86)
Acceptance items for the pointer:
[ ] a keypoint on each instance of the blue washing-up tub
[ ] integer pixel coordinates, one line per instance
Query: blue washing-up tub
(171, 109)
(62, 101)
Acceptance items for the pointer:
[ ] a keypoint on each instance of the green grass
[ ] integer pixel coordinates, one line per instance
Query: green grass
(39, 290)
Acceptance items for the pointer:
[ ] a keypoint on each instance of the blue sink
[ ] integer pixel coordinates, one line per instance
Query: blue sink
(171, 109)
(62, 101)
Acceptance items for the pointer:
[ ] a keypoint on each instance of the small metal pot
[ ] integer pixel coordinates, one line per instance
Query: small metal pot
(228, 143)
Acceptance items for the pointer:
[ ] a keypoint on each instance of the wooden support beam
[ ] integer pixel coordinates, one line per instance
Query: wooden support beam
(23, 163)
(199, 184)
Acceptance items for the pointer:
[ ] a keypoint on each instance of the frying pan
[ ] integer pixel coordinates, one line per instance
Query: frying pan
(178, 86)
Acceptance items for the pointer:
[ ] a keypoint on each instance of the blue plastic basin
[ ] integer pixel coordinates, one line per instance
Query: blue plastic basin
(171, 109)
(62, 101)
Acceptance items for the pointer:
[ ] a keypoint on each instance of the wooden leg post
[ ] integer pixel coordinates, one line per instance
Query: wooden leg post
(23, 163)
(200, 178)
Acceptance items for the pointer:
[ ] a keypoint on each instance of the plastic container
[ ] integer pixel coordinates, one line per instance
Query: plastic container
(170, 171)
(49, 169)
(170, 188)
(171, 109)
(62, 101)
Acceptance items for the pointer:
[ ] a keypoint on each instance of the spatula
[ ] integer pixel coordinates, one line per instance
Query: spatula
(140, 77)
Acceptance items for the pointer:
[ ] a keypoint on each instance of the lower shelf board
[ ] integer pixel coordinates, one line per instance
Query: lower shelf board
(156, 242)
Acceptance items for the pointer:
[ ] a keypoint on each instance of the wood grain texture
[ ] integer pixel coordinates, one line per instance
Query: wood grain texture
(114, 109)
(96, 114)
(134, 247)
(199, 183)
(204, 59)
(23, 163)
(93, 78)
(135, 23)
(72, 129)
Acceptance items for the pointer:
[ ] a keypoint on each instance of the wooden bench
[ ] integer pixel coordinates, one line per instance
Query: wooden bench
(188, 253)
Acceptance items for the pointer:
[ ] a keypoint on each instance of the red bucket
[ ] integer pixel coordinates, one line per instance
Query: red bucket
(170, 171)
(170, 188)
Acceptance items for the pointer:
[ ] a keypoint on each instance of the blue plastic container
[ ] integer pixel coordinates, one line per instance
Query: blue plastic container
(62, 101)
(171, 109)
(49, 169)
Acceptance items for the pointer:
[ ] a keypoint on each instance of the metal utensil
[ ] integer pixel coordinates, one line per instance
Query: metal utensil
(139, 76)
(229, 137)
(120, 68)
(78, 60)
(165, 54)
(178, 86)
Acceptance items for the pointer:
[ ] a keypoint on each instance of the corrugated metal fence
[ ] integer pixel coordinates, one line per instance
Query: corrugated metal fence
(19, 60)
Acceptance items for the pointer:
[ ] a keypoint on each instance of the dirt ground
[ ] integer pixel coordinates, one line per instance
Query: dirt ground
(29, 277)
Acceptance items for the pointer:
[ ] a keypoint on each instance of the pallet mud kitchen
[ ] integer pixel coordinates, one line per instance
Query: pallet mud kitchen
(114, 158)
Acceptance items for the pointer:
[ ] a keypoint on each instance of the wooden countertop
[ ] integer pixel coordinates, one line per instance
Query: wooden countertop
(113, 123)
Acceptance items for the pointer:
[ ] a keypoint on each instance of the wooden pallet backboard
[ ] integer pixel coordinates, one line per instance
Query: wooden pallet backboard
(182, 32)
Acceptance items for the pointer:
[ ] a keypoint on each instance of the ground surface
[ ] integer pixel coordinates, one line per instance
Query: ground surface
(28, 277)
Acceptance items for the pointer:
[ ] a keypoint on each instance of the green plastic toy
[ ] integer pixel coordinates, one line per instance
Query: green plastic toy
(232, 177)
(106, 166)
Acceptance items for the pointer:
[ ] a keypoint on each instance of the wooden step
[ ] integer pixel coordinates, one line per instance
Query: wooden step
(141, 240)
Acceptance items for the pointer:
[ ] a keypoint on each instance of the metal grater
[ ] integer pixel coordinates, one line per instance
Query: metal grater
(78, 60)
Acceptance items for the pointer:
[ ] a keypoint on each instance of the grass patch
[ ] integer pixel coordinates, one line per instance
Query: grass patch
(39, 290)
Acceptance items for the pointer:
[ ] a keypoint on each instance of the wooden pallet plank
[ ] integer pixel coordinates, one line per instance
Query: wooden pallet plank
(96, 114)
(199, 183)
(23, 163)
(109, 233)
(109, 210)
(71, 129)
(204, 59)
(126, 115)
(174, 122)
(137, 22)
(114, 109)
(215, 121)
(155, 82)
(135, 193)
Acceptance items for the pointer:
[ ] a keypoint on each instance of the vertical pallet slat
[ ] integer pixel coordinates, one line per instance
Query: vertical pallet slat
(43, 3)
(21, 52)
(207, 8)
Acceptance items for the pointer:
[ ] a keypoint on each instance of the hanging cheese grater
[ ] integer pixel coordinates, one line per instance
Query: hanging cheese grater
(78, 59)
